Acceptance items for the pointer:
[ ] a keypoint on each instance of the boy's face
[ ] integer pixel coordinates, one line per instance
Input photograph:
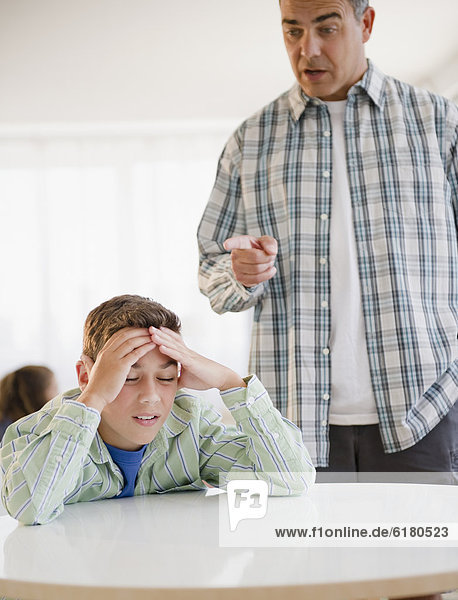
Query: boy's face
(144, 403)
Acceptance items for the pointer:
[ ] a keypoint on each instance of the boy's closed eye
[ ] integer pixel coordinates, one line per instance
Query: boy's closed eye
(164, 379)
(164, 376)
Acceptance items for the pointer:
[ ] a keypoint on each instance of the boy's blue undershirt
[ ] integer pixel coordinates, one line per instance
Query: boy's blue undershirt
(129, 463)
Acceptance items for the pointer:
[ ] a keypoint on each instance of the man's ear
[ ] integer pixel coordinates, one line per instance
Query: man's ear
(83, 368)
(367, 21)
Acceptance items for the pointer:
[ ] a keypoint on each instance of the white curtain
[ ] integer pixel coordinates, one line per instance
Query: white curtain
(87, 213)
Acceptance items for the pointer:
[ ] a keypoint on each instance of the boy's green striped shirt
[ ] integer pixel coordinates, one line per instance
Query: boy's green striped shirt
(55, 456)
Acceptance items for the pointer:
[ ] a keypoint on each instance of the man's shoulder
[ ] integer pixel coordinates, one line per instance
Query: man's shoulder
(414, 95)
(275, 110)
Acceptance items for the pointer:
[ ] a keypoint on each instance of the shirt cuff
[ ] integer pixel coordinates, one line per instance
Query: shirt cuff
(252, 401)
(76, 420)
(254, 290)
(245, 291)
(225, 276)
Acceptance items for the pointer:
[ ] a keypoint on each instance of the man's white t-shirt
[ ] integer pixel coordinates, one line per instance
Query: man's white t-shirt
(352, 398)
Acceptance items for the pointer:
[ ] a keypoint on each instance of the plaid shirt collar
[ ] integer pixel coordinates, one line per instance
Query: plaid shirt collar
(372, 83)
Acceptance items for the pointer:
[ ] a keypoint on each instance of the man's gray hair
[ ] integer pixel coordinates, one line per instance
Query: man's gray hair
(359, 6)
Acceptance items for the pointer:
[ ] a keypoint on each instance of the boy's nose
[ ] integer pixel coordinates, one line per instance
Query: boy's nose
(149, 393)
(149, 399)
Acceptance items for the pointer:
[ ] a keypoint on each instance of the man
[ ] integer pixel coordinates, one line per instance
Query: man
(334, 215)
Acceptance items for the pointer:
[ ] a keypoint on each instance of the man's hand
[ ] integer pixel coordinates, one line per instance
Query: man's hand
(197, 372)
(102, 380)
(252, 258)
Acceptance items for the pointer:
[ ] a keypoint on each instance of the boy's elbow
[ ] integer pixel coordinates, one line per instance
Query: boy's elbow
(26, 511)
(26, 515)
(31, 517)
(307, 479)
(25, 519)
(294, 483)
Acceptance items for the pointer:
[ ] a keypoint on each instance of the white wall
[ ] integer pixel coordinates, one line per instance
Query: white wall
(127, 60)
(138, 59)
(105, 81)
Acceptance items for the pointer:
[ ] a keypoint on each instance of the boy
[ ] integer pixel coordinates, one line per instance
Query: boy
(129, 429)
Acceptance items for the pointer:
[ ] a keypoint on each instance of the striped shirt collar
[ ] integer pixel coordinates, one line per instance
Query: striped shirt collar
(372, 83)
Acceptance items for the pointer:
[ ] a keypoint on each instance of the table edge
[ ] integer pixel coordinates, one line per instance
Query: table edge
(430, 583)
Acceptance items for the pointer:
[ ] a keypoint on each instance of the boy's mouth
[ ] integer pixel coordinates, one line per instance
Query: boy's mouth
(146, 420)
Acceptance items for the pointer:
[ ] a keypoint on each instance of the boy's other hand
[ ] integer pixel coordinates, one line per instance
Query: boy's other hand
(101, 381)
(197, 372)
(252, 258)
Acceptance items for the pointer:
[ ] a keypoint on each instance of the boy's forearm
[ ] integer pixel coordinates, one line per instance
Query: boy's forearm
(276, 445)
(230, 380)
(92, 400)
(40, 470)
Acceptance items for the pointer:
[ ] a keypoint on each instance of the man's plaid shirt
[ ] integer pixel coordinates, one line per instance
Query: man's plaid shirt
(274, 178)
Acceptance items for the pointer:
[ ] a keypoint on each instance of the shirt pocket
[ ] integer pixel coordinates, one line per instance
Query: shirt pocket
(423, 193)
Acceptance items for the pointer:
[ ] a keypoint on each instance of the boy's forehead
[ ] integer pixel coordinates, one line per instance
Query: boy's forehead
(154, 359)
(170, 363)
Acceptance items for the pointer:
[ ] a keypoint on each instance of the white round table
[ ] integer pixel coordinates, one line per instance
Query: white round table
(168, 546)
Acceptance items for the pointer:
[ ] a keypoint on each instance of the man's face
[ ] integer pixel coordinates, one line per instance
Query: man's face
(325, 45)
(144, 403)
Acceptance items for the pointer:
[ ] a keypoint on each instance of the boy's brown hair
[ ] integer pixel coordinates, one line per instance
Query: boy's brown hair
(124, 311)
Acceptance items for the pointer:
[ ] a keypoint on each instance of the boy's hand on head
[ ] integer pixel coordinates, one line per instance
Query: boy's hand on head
(107, 375)
(197, 372)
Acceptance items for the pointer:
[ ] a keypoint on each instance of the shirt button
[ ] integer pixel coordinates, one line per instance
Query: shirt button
(59, 459)
(325, 351)
(325, 396)
(323, 261)
(326, 133)
(326, 174)
(276, 435)
(237, 405)
(324, 217)
(250, 401)
(324, 304)
(324, 423)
